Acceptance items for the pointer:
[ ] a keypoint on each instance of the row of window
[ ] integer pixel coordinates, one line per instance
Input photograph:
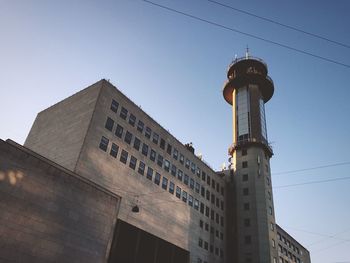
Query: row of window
(157, 179)
(155, 138)
(147, 151)
(205, 226)
(288, 243)
(205, 245)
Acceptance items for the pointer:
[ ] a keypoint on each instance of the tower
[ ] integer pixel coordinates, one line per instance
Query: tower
(253, 234)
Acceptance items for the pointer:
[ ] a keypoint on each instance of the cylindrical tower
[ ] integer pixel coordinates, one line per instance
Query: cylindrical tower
(247, 89)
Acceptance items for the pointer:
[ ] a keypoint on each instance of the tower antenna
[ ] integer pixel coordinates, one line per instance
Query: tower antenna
(247, 52)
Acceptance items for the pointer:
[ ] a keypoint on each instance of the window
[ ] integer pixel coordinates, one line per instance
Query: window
(132, 120)
(273, 243)
(178, 192)
(248, 240)
(191, 183)
(166, 165)
(140, 125)
(114, 106)
(114, 150)
(221, 220)
(190, 200)
(182, 159)
(148, 132)
(162, 143)
(132, 163)
(221, 236)
(171, 187)
(244, 152)
(246, 206)
(184, 196)
(202, 208)
(222, 253)
(187, 164)
(179, 174)
(145, 149)
(208, 180)
(217, 218)
(149, 173)
(244, 164)
(141, 169)
(109, 124)
(196, 204)
(201, 224)
(198, 172)
(168, 149)
(175, 154)
(207, 211)
(155, 138)
(137, 143)
(160, 160)
(123, 113)
(157, 179)
(203, 176)
(222, 205)
(217, 251)
(211, 248)
(218, 187)
(104, 143)
(268, 180)
(165, 183)
(197, 187)
(119, 131)
(222, 190)
(153, 155)
(207, 194)
(124, 156)
(200, 242)
(193, 168)
(205, 245)
(246, 222)
(217, 202)
(272, 226)
(213, 183)
(212, 198)
(270, 210)
(245, 191)
(173, 170)
(245, 177)
(217, 233)
(202, 191)
(186, 179)
(128, 137)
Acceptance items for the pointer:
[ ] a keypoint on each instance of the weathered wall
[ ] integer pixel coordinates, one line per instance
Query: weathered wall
(49, 214)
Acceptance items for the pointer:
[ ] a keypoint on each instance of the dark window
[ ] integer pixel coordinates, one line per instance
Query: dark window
(203, 176)
(193, 168)
(132, 120)
(114, 150)
(222, 205)
(211, 248)
(212, 198)
(213, 183)
(145, 149)
(157, 178)
(179, 174)
(202, 191)
(149, 173)
(173, 170)
(208, 180)
(217, 202)
(206, 227)
(197, 187)
(212, 230)
(165, 183)
(205, 245)
(162, 143)
(246, 222)
(221, 253)
(202, 208)
(167, 165)
(221, 236)
(207, 194)
(109, 124)
(221, 220)
(171, 187)
(217, 233)
(196, 204)
(218, 187)
(114, 106)
(178, 192)
(153, 155)
(186, 179)
(190, 200)
(137, 143)
(244, 164)
(244, 152)
(104, 143)
(160, 160)
(182, 159)
(124, 156)
(200, 242)
(128, 137)
(148, 132)
(200, 223)
(248, 240)
(132, 163)
(217, 251)
(198, 172)
(245, 191)
(246, 206)
(184, 196)
(175, 154)
(192, 183)
(140, 126)
(141, 169)
(222, 190)
(212, 214)
(119, 131)
(123, 113)
(168, 149)
(217, 218)
(155, 138)
(187, 164)
(207, 211)
(245, 177)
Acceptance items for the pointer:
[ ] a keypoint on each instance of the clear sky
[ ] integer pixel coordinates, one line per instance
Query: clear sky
(175, 67)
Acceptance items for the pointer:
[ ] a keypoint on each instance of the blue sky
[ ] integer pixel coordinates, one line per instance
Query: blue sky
(175, 67)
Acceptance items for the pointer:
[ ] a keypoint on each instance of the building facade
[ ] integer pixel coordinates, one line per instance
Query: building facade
(167, 204)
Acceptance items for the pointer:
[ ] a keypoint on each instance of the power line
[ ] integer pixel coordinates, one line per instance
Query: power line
(280, 24)
(313, 182)
(311, 168)
(247, 34)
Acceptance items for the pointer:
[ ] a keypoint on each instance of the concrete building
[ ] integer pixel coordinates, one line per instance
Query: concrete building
(156, 201)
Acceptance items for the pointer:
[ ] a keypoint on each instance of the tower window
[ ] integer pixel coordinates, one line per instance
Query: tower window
(246, 206)
(245, 191)
(123, 113)
(124, 156)
(245, 177)
(175, 154)
(137, 143)
(184, 196)
(171, 187)
(248, 240)
(247, 222)
(155, 138)
(128, 137)
(244, 164)
(140, 126)
(148, 132)
(119, 131)
(190, 200)
(157, 179)
(141, 169)
(196, 204)
(180, 174)
(132, 163)
(153, 155)
(132, 120)
(162, 143)
(114, 106)
(104, 143)
(145, 149)
(114, 150)
(169, 149)
(244, 152)
(160, 160)
(149, 173)
(178, 192)
(165, 183)
(109, 124)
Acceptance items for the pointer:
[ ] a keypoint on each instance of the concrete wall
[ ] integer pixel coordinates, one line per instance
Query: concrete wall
(49, 214)
(58, 132)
